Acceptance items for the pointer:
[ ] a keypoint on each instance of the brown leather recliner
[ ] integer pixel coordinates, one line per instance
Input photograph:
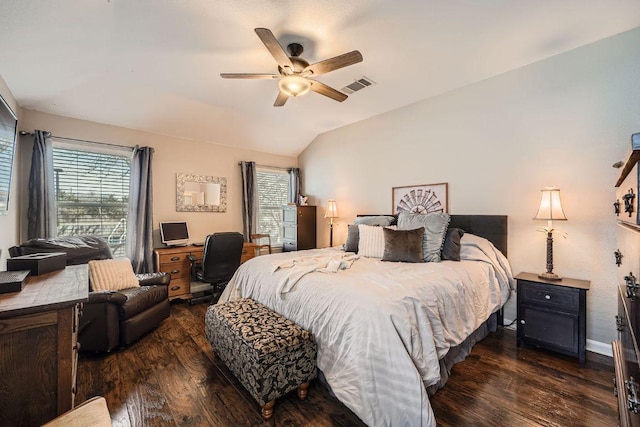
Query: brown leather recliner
(113, 319)
(109, 319)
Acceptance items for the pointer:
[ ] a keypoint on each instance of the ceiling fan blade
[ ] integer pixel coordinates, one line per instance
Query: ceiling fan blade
(249, 76)
(335, 63)
(274, 47)
(281, 99)
(325, 90)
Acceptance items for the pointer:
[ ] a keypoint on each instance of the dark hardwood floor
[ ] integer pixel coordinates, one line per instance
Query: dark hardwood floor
(171, 377)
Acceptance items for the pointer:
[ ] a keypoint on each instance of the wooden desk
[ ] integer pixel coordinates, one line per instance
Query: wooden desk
(173, 260)
(38, 346)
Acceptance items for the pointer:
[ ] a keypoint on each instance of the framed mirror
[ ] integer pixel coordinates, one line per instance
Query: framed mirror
(8, 132)
(200, 193)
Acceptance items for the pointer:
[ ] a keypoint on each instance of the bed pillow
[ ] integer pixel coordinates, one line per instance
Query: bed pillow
(112, 274)
(352, 238)
(371, 243)
(379, 220)
(435, 227)
(451, 247)
(403, 245)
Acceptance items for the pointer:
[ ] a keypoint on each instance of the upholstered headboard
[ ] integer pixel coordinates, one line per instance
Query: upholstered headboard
(491, 227)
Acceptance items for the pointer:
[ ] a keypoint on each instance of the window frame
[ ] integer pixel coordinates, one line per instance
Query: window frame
(117, 247)
(275, 242)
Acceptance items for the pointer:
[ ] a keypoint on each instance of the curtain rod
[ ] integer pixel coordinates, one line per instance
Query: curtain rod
(272, 167)
(49, 135)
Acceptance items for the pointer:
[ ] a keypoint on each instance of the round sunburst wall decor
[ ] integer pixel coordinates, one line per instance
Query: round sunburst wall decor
(421, 199)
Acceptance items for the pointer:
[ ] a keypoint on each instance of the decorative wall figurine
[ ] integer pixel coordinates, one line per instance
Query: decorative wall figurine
(628, 201)
(618, 256)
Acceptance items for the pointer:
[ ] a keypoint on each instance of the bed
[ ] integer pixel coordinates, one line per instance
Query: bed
(388, 333)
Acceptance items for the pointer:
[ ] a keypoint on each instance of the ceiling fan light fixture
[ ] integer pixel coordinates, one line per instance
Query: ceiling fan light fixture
(294, 85)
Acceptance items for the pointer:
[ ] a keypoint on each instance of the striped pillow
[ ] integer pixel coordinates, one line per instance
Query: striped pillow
(371, 243)
(112, 275)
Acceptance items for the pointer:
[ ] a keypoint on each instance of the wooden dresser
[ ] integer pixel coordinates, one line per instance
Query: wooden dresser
(626, 354)
(174, 261)
(298, 228)
(38, 346)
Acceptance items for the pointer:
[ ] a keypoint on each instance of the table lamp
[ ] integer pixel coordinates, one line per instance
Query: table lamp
(550, 209)
(331, 212)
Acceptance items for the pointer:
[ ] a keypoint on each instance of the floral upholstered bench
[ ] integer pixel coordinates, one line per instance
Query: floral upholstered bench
(268, 353)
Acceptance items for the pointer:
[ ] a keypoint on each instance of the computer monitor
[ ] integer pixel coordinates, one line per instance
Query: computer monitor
(174, 233)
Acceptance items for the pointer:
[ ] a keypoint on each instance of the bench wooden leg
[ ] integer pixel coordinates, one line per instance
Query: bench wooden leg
(267, 409)
(302, 391)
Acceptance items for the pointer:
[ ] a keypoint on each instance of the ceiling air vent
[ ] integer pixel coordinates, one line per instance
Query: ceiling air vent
(357, 85)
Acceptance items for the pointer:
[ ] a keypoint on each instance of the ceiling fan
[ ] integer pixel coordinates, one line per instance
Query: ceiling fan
(295, 73)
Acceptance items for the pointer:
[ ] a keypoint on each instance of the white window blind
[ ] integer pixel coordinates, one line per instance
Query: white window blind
(6, 160)
(272, 186)
(92, 194)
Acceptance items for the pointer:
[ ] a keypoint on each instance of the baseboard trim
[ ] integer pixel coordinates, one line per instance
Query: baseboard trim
(592, 345)
(508, 322)
(600, 348)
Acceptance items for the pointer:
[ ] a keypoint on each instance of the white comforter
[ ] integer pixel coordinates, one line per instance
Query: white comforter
(381, 327)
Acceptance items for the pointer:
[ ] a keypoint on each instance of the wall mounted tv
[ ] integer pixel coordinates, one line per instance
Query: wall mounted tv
(175, 233)
(8, 132)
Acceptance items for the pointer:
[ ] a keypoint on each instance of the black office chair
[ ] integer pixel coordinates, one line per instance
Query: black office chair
(220, 260)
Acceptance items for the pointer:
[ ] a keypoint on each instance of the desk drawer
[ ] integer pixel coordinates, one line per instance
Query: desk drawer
(177, 270)
(247, 254)
(179, 287)
(173, 258)
(197, 256)
(550, 296)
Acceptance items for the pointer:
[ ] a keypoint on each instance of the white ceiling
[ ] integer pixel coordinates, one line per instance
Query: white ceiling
(154, 65)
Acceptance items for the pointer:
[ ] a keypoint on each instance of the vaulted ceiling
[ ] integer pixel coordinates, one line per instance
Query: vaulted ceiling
(155, 65)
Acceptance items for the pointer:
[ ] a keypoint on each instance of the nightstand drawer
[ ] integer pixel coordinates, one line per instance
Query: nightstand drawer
(551, 296)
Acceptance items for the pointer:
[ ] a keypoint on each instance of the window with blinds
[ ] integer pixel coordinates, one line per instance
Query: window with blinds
(92, 194)
(8, 124)
(6, 162)
(272, 187)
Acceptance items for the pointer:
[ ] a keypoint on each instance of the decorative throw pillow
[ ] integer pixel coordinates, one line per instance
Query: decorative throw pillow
(403, 245)
(353, 236)
(112, 274)
(371, 243)
(451, 247)
(435, 227)
(379, 220)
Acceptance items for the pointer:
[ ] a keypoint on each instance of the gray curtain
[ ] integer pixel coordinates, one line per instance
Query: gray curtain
(140, 216)
(295, 185)
(249, 199)
(41, 214)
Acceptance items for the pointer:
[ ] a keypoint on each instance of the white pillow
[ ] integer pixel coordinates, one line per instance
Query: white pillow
(112, 274)
(371, 243)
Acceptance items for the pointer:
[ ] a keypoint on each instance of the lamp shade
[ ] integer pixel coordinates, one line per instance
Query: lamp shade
(550, 205)
(294, 85)
(332, 210)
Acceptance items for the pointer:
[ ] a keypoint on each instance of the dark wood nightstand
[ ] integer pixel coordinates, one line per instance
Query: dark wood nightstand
(552, 314)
